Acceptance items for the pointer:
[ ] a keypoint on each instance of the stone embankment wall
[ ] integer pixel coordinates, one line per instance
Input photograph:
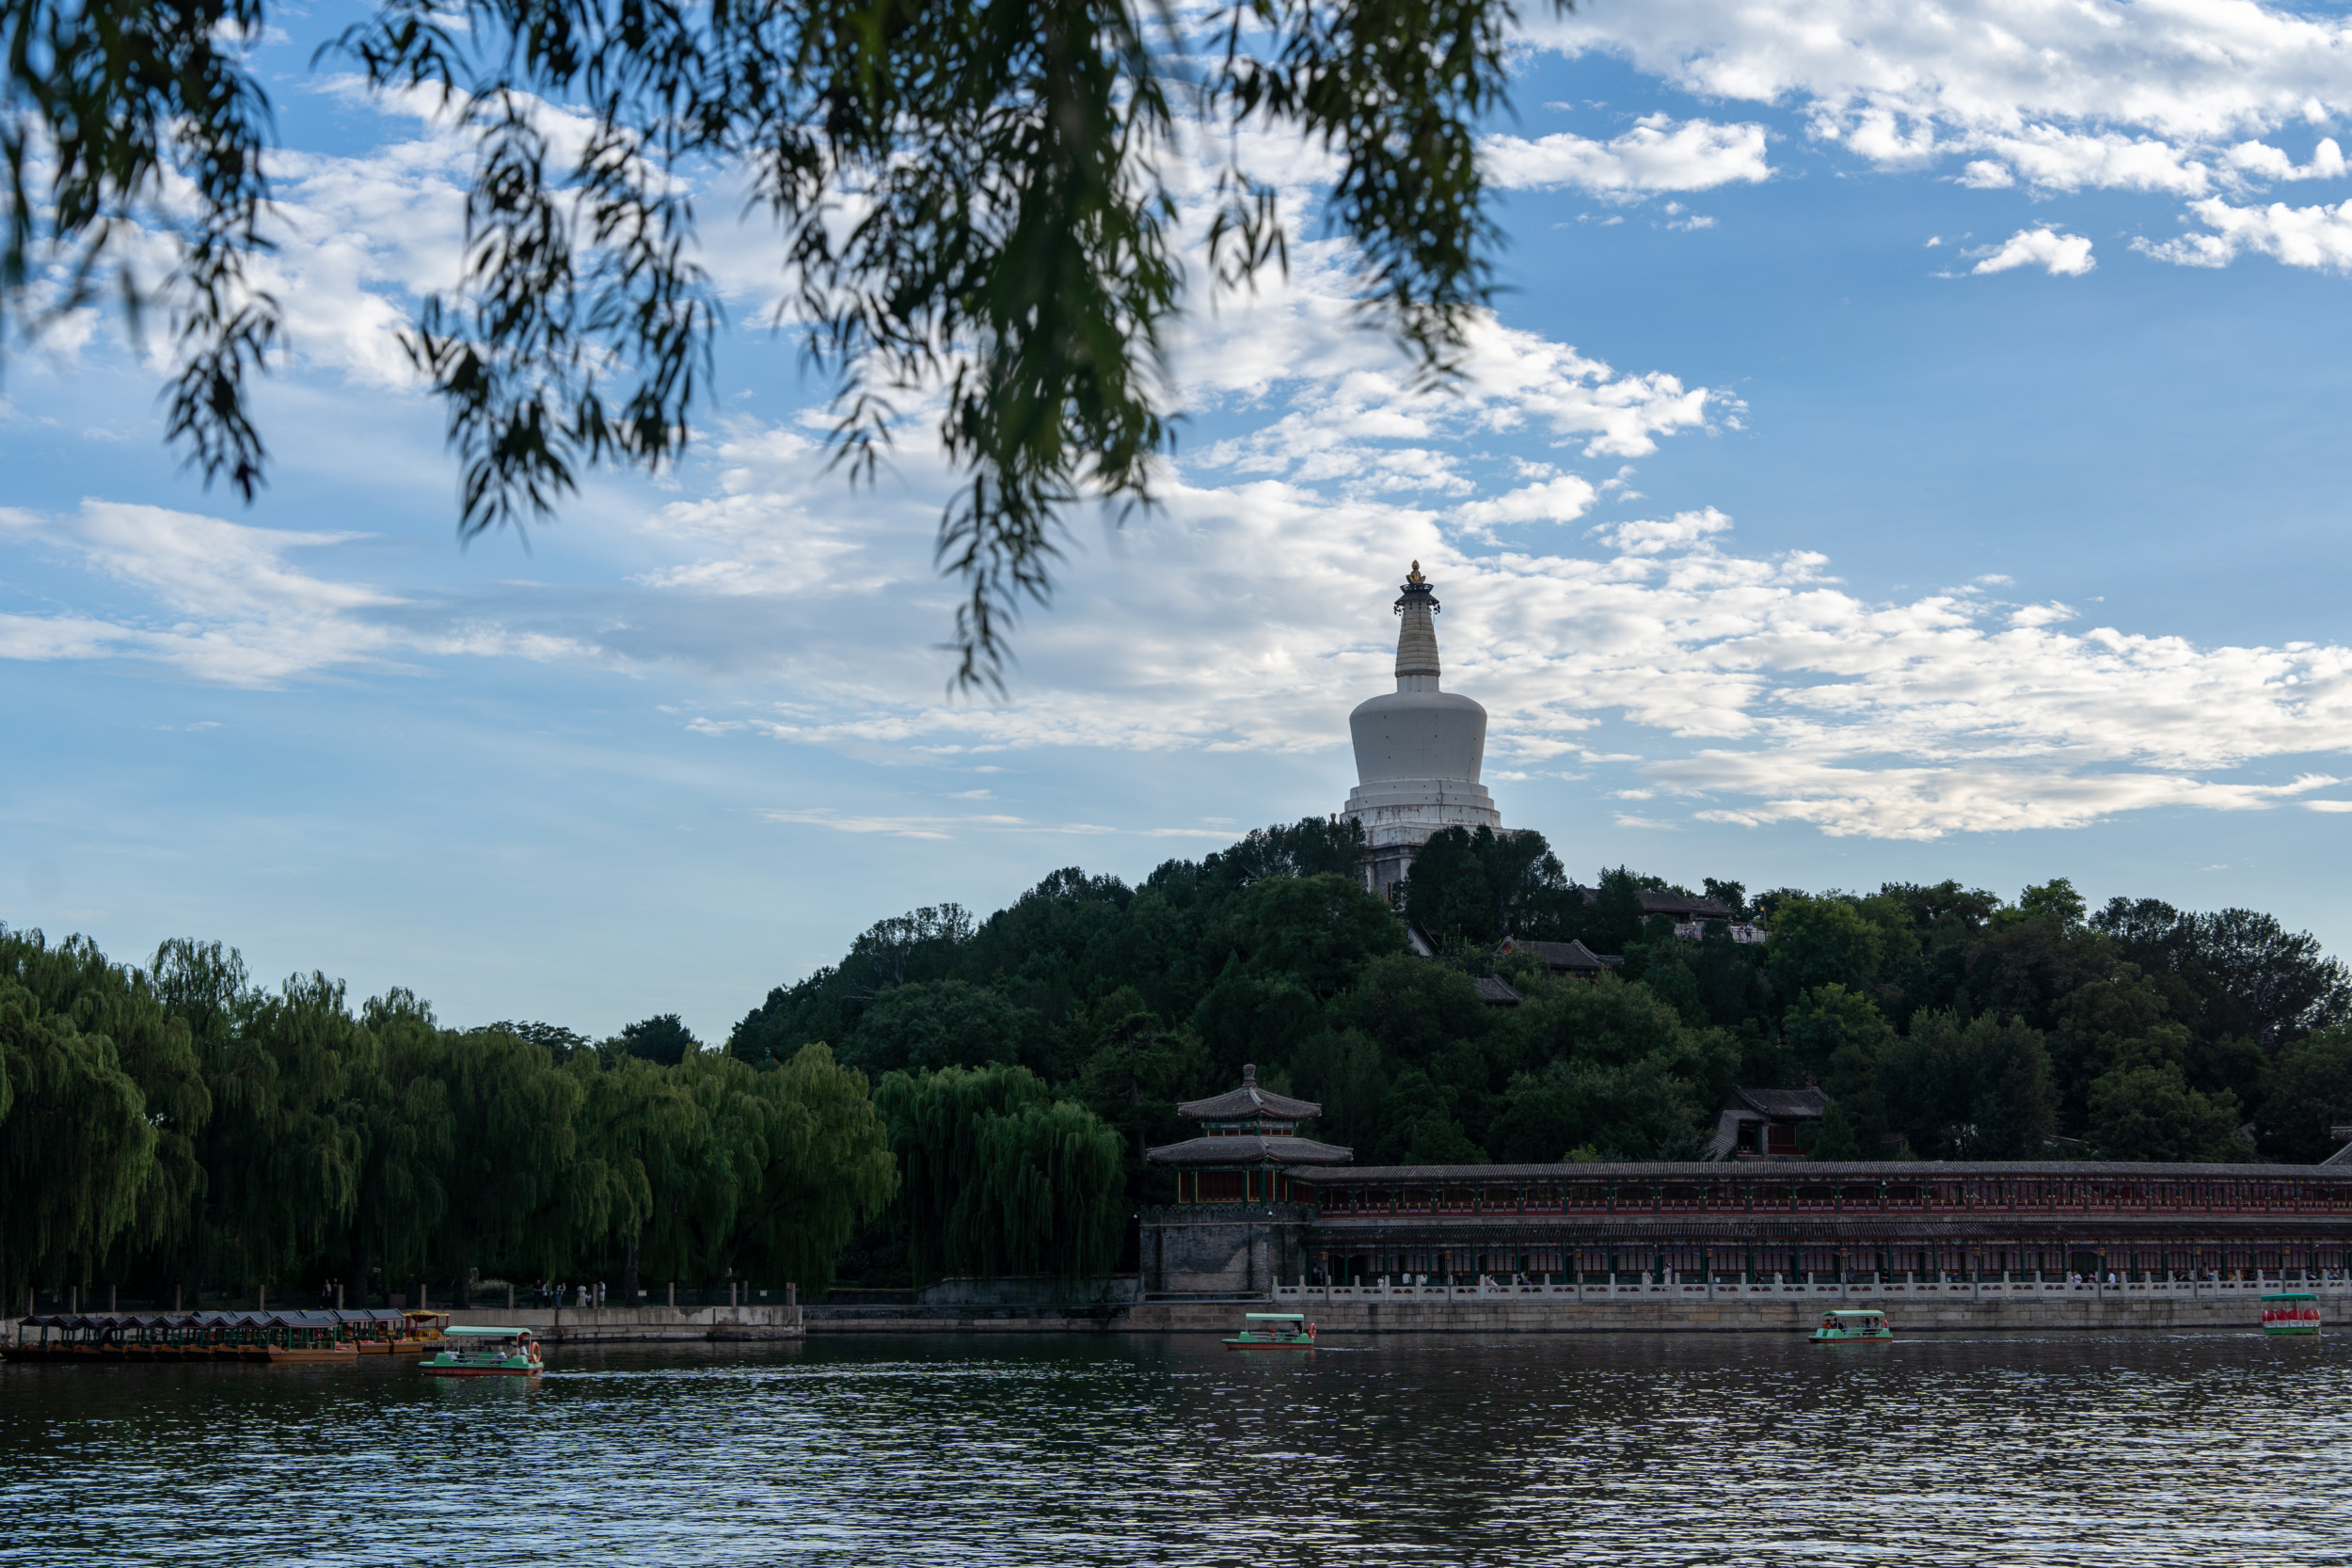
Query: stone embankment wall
(572, 1326)
(1667, 1316)
(1912, 1309)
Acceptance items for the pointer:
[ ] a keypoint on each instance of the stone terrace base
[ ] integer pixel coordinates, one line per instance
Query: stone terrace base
(1683, 1308)
(640, 1324)
(1630, 1309)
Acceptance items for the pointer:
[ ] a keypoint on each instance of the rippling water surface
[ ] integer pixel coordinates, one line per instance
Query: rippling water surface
(1687, 1449)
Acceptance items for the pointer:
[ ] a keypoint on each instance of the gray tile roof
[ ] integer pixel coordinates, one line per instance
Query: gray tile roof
(1248, 1149)
(1249, 1103)
(1573, 957)
(1798, 1104)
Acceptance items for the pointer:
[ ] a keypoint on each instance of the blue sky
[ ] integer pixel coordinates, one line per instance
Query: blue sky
(1910, 446)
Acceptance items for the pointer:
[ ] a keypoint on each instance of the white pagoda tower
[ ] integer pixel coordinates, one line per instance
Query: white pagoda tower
(1418, 751)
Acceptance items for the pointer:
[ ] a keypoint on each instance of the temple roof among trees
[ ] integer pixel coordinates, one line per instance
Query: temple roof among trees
(1249, 1103)
(1248, 1149)
(1573, 957)
(1805, 1104)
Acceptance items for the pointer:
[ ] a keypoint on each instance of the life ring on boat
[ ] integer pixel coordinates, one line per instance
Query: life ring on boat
(1310, 1331)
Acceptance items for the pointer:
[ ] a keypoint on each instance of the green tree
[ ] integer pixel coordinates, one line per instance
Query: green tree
(663, 1038)
(1981, 1090)
(937, 1023)
(999, 1177)
(1841, 1135)
(1318, 931)
(822, 1165)
(1820, 941)
(2306, 1091)
(2107, 1025)
(74, 982)
(2147, 1111)
(513, 1136)
(1474, 888)
(1833, 1028)
(1636, 1110)
(283, 1147)
(76, 1150)
(2054, 901)
(405, 1139)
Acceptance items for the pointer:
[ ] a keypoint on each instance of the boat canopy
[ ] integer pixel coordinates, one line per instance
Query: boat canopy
(2291, 1295)
(1854, 1313)
(490, 1333)
(327, 1319)
(1276, 1317)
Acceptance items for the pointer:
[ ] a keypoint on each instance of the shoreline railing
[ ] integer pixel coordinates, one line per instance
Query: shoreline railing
(1868, 1288)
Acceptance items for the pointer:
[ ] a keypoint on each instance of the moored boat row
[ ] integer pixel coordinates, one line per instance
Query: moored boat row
(324, 1336)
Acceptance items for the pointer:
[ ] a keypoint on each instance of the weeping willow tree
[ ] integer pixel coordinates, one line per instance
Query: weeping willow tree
(283, 1147)
(405, 1140)
(184, 1125)
(824, 1166)
(76, 1148)
(1002, 1179)
(515, 1140)
(76, 985)
(712, 1169)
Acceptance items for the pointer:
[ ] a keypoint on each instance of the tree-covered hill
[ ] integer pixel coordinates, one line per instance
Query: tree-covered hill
(1944, 1021)
(968, 1095)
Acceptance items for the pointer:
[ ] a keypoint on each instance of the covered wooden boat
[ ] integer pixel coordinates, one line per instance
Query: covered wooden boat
(1861, 1325)
(256, 1338)
(1273, 1331)
(2291, 1312)
(421, 1332)
(470, 1352)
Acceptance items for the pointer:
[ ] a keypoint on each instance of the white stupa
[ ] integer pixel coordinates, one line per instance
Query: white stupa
(1418, 751)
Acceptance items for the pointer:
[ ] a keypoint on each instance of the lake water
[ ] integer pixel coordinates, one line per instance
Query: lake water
(1684, 1449)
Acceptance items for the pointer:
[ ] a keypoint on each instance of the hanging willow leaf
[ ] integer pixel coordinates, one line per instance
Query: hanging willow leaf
(975, 219)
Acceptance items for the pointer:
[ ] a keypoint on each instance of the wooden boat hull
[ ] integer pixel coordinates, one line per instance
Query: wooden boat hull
(482, 1372)
(1269, 1344)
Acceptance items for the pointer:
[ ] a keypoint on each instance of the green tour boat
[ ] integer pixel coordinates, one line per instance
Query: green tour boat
(470, 1352)
(2291, 1312)
(1840, 1328)
(1280, 1331)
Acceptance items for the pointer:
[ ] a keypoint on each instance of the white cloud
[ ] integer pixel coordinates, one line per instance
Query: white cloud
(2060, 255)
(1658, 154)
(1555, 500)
(2181, 98)
(947, 826)
(1252, 615)
(1651, 537)
(2317, 237)
(232, 606)
(2263, 162)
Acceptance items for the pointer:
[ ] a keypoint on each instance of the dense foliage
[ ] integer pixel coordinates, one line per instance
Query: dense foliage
(1942, 1021)
(179, 1126)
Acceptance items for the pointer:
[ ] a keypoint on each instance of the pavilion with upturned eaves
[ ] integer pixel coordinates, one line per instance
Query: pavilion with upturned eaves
(1248, 1140)
(1239, 1219)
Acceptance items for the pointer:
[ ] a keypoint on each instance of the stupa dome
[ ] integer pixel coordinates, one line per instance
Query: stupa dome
(1418, 749)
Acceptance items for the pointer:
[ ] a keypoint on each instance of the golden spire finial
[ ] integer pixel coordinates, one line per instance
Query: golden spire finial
(1414, 576)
